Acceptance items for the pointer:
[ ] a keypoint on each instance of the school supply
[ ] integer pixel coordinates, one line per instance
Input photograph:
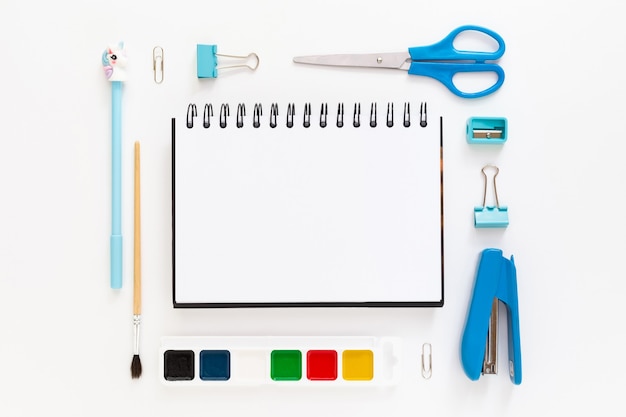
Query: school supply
(207, 57)
(427, 361)
(441, 61)
(486, 130)
(135, 367)
(496, 280)
(114, 63)
(307, 205)
(158, 64)
(423, 115)
(280, 361)
(494, 215)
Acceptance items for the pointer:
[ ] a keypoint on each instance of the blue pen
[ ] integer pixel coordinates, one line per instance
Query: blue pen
(114, 61)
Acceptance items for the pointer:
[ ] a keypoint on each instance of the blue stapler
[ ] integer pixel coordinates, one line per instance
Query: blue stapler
(496, 281)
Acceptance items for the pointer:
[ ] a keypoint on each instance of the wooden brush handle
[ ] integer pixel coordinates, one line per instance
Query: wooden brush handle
(137, 240)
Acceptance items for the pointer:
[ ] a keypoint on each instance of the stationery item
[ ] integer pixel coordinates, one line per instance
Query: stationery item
(207, 56)
(441, 61)
(290, 206)
(332, 361)
(158, 64)
(427, 361)
(496, 280)
(135, 367)
(206, 118)
(114, 63)
(423, 115)
(486, 130)
(192, 112)
(491, 216)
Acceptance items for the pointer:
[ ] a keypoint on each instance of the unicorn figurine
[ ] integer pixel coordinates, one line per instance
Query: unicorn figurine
(114, 62)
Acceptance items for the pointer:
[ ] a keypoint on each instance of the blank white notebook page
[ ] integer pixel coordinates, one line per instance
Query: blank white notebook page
(311, 215)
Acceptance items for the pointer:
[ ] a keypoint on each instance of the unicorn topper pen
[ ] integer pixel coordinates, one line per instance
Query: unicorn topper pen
(114, 61)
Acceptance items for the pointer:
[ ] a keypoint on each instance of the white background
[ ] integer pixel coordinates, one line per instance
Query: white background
(66, 337)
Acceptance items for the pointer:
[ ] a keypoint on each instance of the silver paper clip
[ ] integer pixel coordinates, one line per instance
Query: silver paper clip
(158, 64)
(427, 360)
(491, 216)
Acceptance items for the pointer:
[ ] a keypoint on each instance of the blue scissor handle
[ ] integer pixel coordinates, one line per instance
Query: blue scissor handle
(424, 61)
(444, 72)
(444, 50)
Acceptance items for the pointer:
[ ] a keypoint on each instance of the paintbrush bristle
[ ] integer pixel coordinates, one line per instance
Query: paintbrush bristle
(135, 367)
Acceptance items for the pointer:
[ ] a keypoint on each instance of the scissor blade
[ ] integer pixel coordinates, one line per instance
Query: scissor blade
(397, 60)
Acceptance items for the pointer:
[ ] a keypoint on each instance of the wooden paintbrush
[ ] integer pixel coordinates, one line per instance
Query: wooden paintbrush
(135, 367)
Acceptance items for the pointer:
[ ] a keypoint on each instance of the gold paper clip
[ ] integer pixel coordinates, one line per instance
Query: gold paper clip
(157, 64)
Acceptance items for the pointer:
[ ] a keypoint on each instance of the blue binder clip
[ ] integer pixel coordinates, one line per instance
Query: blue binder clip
(491, 216)
(496, 281)
(207, 55)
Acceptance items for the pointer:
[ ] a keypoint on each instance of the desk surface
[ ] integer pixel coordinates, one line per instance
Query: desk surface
(67, 337)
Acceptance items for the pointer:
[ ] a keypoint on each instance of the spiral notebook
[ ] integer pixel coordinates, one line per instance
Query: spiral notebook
(307, 205)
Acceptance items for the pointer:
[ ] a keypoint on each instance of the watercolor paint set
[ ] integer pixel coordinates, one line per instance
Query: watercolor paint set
(279, 360)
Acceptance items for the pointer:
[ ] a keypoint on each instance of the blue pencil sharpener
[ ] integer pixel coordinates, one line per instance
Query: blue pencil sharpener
(486, 130)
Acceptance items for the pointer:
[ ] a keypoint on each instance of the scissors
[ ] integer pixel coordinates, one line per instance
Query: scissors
(441, 61)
